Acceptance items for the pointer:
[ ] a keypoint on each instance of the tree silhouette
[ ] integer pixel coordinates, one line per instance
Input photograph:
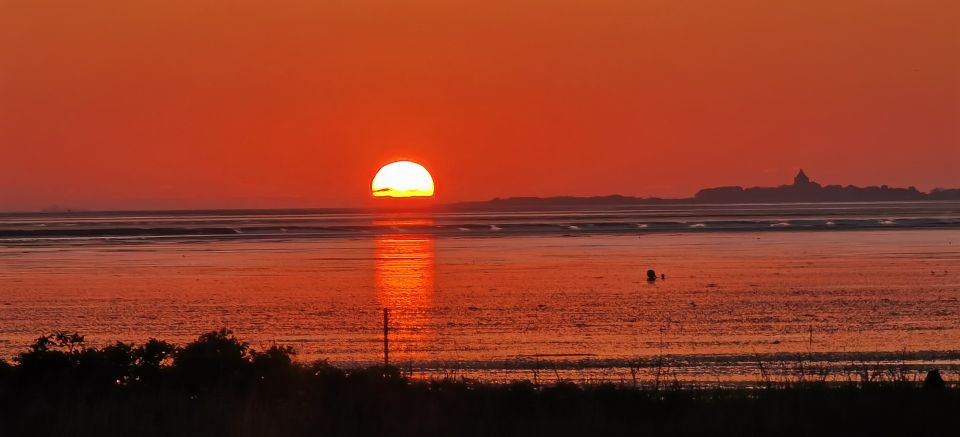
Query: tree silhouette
(215, 358)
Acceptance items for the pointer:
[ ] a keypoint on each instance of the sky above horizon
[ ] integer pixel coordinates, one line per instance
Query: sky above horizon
(118, 104)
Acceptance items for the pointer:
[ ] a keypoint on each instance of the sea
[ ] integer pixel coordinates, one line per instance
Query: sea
(742, 293)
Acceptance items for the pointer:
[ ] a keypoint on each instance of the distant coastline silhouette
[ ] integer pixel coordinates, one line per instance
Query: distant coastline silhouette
(803, 189)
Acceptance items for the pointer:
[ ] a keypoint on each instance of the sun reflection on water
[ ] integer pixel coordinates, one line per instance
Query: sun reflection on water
(404, 278)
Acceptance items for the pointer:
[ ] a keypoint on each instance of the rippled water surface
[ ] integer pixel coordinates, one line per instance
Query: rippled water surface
(508, 305)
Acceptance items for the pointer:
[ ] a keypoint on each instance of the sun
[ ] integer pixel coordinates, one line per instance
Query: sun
(402, 179)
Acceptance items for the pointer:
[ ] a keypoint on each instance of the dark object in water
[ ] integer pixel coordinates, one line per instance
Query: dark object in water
(663, 276)
(651, 275)
(934, 381)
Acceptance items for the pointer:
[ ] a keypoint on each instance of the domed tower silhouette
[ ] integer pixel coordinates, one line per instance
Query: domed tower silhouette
(801, 179)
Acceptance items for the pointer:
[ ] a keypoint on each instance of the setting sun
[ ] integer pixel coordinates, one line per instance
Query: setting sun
(402, 179)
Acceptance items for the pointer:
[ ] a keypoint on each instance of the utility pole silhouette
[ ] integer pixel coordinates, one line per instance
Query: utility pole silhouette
(386, 339)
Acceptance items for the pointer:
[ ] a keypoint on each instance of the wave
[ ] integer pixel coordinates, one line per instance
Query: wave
(24, 229)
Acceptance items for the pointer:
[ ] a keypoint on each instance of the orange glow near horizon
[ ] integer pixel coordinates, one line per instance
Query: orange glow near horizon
(204, 104)
(402, 179)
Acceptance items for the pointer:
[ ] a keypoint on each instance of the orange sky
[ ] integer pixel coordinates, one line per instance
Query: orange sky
(199, 103)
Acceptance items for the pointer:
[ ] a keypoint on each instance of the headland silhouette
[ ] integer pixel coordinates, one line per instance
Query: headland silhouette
(802, 190)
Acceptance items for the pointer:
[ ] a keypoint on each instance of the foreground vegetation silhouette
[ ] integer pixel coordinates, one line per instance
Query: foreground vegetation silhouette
(217, 385)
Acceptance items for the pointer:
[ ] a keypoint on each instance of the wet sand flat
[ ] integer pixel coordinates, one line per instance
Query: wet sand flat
(490, 304)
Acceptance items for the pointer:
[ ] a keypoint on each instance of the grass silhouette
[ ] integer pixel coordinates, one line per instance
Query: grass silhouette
(219, 386)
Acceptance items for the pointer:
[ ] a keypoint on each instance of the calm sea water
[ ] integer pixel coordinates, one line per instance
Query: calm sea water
(509, 295)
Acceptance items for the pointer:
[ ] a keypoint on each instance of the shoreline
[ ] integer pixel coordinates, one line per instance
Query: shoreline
(687, 370)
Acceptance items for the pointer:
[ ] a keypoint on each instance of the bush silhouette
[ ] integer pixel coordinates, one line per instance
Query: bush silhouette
(218, 385)
(215, 358)
(275, 360)
(50, 361)
(99, 369)
(150, 359)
